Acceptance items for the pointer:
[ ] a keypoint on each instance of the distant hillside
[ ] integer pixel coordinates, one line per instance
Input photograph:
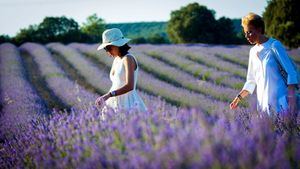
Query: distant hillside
(139, 32)
(148, 29)
(141, 29)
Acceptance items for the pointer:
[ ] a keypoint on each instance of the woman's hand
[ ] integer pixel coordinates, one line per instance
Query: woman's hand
(100, 100)
(234, 103)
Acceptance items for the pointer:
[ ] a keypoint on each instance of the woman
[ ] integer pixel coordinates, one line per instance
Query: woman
(123, 74)
(273, 94)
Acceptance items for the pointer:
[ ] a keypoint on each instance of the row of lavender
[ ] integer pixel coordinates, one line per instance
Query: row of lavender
(164, 137)
(19, 104)
(19, 101)
(214, 58)
(209, 85)
(67, 90)
(204, 57)
(171, 74)
(180, 78)
(183, 79)
(147, 82)
(199, 71)
(94, 75)
(172, 139)
(22, 108)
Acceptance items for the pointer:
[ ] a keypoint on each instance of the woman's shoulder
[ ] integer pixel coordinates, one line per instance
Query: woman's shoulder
(129, 56)
(253, 50)
(275, 43)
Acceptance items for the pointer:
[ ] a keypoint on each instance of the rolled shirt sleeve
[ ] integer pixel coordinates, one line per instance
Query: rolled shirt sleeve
(286, 62)
(250, 82)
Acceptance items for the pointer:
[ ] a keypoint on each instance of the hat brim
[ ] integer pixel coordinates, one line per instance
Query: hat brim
(120, 42)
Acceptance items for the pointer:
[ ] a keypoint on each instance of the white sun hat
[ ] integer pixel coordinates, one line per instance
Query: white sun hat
(113, 37)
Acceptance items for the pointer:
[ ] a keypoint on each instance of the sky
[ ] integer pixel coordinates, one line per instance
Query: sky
(17, 14)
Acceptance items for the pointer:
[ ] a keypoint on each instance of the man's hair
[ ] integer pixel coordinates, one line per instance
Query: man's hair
(254, 20)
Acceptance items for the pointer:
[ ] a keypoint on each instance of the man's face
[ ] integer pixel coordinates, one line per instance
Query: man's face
(252, 34)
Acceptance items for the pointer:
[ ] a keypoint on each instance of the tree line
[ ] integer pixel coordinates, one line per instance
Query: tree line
(193, 23)
(60, 29)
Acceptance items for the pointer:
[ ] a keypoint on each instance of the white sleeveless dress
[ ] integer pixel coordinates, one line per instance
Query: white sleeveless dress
(129, 100)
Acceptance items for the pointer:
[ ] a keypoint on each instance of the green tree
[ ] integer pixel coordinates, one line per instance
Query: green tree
(59, 29)
(225, 31)
(282, 21)
(27, 35)
(94, 28)
(4, 38)
(192, 24)
(52, 29)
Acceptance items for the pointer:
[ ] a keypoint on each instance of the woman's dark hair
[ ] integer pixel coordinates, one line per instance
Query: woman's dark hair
(124, 49)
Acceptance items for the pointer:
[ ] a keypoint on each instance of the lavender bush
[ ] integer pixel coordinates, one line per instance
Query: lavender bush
(295, 55)
(68, 91)
(155, 86)
(182, 138)
(180, 78)
(199, 71)
(19, 104)
(208, 58)
(96, 76)
(18, 99)
(200, 132)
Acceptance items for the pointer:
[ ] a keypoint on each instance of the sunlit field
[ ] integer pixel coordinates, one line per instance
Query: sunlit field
(49, 120)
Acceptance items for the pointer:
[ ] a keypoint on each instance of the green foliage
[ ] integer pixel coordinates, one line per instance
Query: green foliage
(62, 29)
(27, 35)
(52, 29)
(219, 80)
(141, 29)
(238, 85)
(195, 23)
(282, 21)
(59, 29)
(5, 38)
(94, 28)
(29, 162)
(156, 39)
(198, 72)
(225, 31)
(139, 40)
(206, 75)
(143, 32)
(240, 39)
(192, 24)
(237, 25)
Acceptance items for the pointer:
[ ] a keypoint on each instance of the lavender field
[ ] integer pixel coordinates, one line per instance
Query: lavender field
(48, 118)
